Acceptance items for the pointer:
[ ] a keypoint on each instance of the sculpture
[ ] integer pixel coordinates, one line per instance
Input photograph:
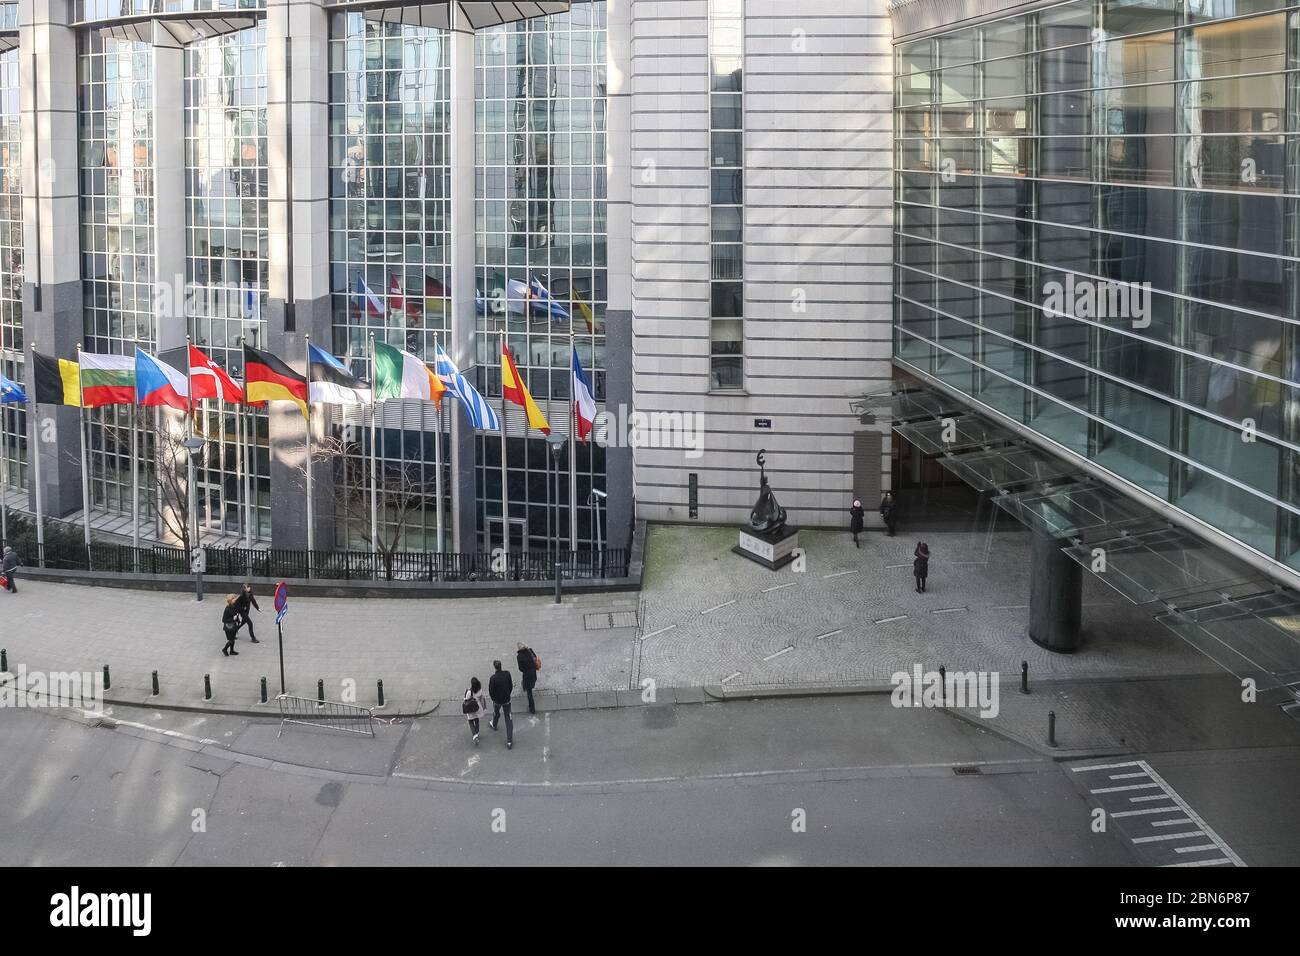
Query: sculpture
(766, 516)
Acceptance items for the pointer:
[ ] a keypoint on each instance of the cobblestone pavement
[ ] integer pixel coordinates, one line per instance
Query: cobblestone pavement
(707, 617)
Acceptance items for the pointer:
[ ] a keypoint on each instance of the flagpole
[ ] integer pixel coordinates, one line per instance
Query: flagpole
(374, 452)
(34, 453)
(505, 506)
(239, 470)
(311, 508)
(573, 454)
(437, 481)
(4, 457)
(135, 489)
(157, 472)
(250, 467)
(85, 457)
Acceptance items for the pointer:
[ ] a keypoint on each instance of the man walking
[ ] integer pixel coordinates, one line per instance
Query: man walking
(889, 512)
(500, 686)
(527, 662)
(242, 604)
(10, 568)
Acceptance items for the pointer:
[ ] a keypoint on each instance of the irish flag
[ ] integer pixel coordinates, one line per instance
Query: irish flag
(107, 380)
(400, 374)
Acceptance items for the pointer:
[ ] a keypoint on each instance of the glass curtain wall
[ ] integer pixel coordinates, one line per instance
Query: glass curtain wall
(389, 233)
(1097, 234)
(226, 266)
(540, 210)
(13, 417)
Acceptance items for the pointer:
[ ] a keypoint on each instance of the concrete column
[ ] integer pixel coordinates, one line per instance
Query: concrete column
(464, 314)
(298, 301)
(170, 321)
(52, 299)
(619, 473)
(1055, 596)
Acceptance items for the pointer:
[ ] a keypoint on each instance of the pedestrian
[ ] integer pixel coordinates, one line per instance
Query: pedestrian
(230, 623)
(241, 605)
(9, 565)
(474, 706)
(921, 566)
(856, 514)
(500, 686)
(529, 664)
(889, 511)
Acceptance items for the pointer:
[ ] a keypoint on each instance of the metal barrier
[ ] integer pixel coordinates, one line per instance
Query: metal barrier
(331, 715)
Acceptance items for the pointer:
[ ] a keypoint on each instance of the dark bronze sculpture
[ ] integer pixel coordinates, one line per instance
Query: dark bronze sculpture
(766, 516)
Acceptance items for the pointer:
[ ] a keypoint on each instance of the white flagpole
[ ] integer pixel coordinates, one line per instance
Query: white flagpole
(374, 453)
(4, 457)
(135, 488)
(157, 473)
(573, 457)
(505, 505)
(311, 507)
(437, 458)
(239, 470)
(250, 469)
(34, 455)
(85, 457)
(221, 459)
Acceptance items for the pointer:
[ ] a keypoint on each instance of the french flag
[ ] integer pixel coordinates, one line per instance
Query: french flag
(157, 383)
(373, 305)
(584, 404)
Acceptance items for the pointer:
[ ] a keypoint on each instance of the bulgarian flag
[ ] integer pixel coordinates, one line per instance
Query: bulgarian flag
(107, 380)
(514, 390)
(400, 374)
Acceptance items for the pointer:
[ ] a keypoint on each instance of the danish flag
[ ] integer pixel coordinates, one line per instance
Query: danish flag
(209, 380)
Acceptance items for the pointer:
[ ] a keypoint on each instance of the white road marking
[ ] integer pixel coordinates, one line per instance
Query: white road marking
(784, 650)
(1127, 776)
(1009, 607)
(1195, 817)
(1196, 849)
(1168, 836)
(888, 620)
(1219, 862)
(840, 574)
(546, 734)
(777, 587)
(1131, 786)
(1158, 796)
(716, 607)
(662, 630)
(1170, 823)
(829, 634)
(1105, 766)
(1148, 810)
(948, 610)
(732, 676)
(469, 764)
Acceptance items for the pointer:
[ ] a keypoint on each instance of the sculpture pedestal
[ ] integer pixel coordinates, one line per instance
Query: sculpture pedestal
(773, 550)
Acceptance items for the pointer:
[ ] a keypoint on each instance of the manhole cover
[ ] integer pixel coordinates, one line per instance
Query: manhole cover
(965, 771)
(609, 619)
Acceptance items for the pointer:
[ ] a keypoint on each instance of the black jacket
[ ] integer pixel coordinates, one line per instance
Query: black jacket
(500, 686)
(524, 659)
(855, 518)
(10, 562)
(241, 604)
(230, 616)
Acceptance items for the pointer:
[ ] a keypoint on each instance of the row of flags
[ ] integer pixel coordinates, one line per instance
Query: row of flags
(95, 380)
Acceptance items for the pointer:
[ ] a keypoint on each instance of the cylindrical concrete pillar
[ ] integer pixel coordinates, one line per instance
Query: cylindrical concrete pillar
(1055, 596)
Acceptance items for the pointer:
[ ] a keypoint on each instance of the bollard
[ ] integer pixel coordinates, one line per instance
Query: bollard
(943, 684)
(207, 687)
(155, 683)
(1024, 677)
(1051, 728)
(107, 685)
(320, 693)
(4, 661)
(264, 690)
(381, 693)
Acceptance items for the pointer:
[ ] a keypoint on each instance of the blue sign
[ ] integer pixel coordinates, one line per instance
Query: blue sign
(281, 601)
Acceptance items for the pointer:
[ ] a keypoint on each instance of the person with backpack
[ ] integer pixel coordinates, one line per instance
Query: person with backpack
(921, 566)
(230, 623)
(242, 604)
(9, 566)
(856, 514)
(529, 664)
(474, 706)
(500, 686)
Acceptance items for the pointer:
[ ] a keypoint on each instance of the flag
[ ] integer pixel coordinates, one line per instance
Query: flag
(400, 374)
(584, 404)
(330, 381)
(435, 295)
(514, 390)
(517, 296)
(543, 303)
(395, 295)
(107, 380)
(268, 379)
(11, 392)
(57, 381)
(371, 303)
(581, 305)
(480, 303)
(157, 383)
(478, 411)
(210, 380)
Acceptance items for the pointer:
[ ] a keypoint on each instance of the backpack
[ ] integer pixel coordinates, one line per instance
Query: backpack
(469, 705)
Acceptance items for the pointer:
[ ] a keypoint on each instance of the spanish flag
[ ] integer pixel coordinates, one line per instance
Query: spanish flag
(57, 381)
(267, 379)
(514, 390)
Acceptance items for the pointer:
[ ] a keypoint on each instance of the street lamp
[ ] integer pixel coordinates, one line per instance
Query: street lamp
(594, 500)
(556, 442)
(194, 446)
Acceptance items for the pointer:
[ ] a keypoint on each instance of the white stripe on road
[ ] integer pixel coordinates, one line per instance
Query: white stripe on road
(1168, 836)
(1131, 786)
(1140, 813)
(840, 574)
(1219, 862)
(777, 587)
(1105, 766)
(1158, 796)
(662, 630)
(1170, 823)
(784, 650)
(1127, 776)
(731, 676)
(888, 620)
(716, 607)
(1196, 818)
(949, 610)
(821, 637)
(1196, 849)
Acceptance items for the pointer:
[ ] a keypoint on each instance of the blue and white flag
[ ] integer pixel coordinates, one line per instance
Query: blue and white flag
(480, 413)
(11, 392)
(367, 300)
(542, 301)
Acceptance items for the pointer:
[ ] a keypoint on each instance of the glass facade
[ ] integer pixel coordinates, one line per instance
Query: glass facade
(1097, 235)
(540, 210)
(13, 417)
(726, 194)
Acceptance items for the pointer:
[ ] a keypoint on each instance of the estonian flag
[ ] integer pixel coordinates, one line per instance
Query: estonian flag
(331, 383)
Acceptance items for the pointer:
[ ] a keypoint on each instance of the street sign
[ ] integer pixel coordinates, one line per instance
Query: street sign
(281, 601)
(198, 560)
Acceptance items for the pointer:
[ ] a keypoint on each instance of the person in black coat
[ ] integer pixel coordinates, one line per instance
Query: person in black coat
(889, 512)
(9, 565)
(500, 686)
(856, 514)
(230, 622)
(527, 662)
(921, 566)
(242, 604)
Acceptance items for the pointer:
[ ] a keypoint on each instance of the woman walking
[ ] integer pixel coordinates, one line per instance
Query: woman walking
(230, 623)
(921, 566)
(474, 706)
(242, 604)
(856, 515)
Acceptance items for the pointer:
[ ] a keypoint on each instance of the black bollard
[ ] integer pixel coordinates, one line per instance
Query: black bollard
(107, 685)
(4, 660)
(381, 693)
(320, 693)
(207, 687)
(264, 690)
(155, 683)
(1024, 677)
(1051, 728)
(943, 684)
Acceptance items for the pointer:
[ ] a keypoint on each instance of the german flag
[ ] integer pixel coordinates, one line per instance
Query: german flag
(267, 379)
(58, 381)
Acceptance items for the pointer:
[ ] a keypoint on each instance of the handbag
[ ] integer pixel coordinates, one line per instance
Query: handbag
(537, 663)
(469, 706)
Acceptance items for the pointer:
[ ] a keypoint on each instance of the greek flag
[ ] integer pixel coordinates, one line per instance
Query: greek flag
(480, 413)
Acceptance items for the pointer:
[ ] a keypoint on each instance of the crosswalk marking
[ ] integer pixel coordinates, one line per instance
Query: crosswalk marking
(1130, 786)
(1159, 837)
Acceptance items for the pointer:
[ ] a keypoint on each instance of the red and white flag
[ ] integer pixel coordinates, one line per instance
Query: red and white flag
(209, 380)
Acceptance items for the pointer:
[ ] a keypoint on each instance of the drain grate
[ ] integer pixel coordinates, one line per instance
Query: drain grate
(608, 620)
(965, 771)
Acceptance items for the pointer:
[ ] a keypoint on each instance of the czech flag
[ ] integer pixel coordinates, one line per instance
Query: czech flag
(584, 404)
(157, 383)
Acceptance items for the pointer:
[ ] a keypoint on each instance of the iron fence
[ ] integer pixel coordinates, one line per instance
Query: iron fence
(332, 715)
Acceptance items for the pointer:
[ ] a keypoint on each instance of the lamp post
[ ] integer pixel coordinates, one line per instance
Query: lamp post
(556, 442)
(194, 446)
(594, 500)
